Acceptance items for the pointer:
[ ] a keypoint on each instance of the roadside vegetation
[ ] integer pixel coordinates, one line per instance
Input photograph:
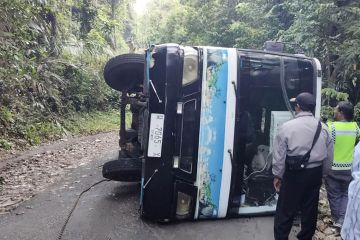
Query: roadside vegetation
(52, 52)
(326, 29)
(52, 55)
(78, 124)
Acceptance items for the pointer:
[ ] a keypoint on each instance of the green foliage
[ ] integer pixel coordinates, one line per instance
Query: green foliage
(330, 31)
(327, 30)
(52, 55)
(39, 131)
(245, 24)
(52, 52)
(6, 116)
(357, 112)
(327, 113)
(93, 122)
(330, 98)
(324, 29)
(5, 144)
(163, 22)
(329, 94)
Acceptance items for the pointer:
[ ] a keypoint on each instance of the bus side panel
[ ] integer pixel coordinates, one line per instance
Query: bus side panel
(229, 133)
(212, 133)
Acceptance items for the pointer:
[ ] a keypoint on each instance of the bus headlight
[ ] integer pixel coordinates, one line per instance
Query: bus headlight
(191, 65)
(183, 205)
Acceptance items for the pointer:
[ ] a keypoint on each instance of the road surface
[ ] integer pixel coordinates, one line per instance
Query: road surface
(110, 211)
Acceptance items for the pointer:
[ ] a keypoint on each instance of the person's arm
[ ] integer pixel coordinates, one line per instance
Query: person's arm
(279, 156)
(329, 152)
(277, 184)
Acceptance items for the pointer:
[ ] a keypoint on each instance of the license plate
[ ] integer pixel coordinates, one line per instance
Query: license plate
(156, 135)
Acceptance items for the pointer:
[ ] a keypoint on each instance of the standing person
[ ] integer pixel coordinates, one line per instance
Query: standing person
(345, 134)
(351, 226)
(298, 187)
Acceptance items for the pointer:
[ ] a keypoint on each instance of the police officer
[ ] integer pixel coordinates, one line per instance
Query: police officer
(299, 189)
(345, 134)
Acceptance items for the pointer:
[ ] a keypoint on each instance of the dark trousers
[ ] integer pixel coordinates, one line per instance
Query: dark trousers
(299, 191)
(337, 193)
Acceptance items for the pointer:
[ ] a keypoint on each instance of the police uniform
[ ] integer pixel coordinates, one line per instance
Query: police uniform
(344, 135)
(300, 189)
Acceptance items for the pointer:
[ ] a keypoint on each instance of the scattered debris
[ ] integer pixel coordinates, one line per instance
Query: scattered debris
(33, 172)
(324, 229)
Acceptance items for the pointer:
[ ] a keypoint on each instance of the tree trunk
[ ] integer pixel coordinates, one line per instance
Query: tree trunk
(328, 67)
(114, 4)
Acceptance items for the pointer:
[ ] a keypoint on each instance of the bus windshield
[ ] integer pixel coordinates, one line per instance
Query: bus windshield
(260, 111)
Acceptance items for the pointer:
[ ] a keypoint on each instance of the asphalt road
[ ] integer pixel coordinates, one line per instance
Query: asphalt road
(110, 211)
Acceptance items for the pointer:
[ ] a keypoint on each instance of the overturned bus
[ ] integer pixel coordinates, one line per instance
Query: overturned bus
(203, 124)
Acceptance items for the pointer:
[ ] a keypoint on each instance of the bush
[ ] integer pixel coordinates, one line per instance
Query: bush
(48, 71)
(5, 144)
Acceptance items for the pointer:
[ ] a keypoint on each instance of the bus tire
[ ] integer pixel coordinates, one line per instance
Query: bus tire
(124, 170)
(125, 72)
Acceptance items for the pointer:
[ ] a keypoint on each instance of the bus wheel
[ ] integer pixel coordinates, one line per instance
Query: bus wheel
(124, 170)
(125, 72)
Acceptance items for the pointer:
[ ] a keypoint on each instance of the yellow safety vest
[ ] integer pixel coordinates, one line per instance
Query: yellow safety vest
(344, 136)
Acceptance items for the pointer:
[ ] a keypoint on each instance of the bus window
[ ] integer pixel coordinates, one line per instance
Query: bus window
(188, 140)
(299, 76)
(262, 99)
